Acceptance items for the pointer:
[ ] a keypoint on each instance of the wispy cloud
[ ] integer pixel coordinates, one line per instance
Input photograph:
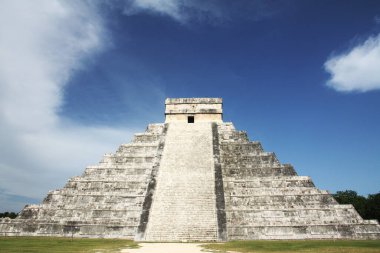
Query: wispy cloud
(165, 7)
(210, 11)
(376, 19)
(356, 69)
(42, 43)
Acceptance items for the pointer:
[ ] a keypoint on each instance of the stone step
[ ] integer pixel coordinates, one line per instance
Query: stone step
(129, 159)
(130, 181)
(233, 136)
(91, 215)
(311, 231)
(156, 128)
(121, 167)
(285, 199)
(241, 172)
(138, 149)
(268, 182)
(93, 202)
(284, 191)
(146, 138)
(241, 148)
(192, 235)
(280, 207)
(119, 174)
(265, 159)
(296, 218)
(297, 222)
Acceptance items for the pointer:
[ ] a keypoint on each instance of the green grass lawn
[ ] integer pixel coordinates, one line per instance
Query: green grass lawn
(58, 244)
(340, 246)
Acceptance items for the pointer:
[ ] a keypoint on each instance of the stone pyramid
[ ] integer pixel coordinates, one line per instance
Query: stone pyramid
(192, 178)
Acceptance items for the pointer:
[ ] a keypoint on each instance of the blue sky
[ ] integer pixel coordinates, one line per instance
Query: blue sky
(78, 78)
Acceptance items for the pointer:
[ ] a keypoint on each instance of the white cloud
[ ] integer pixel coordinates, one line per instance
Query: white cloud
(165, 7)
(357, 69)
(209, 11)
(42, 43)
(180, 10)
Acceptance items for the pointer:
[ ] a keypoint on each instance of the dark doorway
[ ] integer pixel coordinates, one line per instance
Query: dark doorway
(190, 119)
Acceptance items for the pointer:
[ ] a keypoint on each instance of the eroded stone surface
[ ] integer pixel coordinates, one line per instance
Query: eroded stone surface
(201, 181)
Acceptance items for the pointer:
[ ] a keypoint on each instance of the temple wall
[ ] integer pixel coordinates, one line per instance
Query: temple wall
(197, 118)
(202, 109)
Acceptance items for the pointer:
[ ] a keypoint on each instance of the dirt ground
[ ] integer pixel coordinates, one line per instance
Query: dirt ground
(167, 248)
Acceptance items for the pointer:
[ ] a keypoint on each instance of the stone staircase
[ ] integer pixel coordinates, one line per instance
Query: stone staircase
(265, 199)
(183, 206)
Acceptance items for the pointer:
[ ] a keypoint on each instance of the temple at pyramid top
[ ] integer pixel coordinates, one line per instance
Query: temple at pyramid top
(193, 110)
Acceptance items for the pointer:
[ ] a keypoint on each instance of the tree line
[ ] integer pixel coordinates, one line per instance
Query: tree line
(367, 207)
(11, 215)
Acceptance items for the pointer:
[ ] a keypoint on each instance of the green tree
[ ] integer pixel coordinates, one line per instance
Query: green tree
(373, 206)
(352, 197)
(11, 215)
(368, 208)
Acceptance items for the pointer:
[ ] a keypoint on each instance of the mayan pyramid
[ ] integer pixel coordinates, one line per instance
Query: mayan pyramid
(192, 178)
